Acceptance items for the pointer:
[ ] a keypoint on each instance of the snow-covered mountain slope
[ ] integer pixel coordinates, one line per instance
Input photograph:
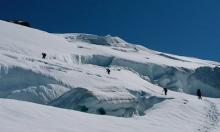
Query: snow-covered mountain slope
(73, 74)
(180, 114)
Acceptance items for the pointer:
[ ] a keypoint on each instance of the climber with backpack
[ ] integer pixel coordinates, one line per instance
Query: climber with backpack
(199, 94)
(44, 55)
(165, 91)
(108, 70)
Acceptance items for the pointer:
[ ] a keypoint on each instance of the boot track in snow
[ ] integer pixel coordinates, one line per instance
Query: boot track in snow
(212, 118)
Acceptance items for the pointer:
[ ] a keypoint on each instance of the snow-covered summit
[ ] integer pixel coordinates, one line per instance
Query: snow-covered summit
(95, 39)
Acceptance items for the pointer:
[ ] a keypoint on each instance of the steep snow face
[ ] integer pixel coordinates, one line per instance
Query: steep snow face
(126, 105)
(73, 75)
(177, 78)
(23, 84)
(174, 78)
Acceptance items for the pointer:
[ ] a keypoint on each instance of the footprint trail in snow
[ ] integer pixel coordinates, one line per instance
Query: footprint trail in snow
(212, 118)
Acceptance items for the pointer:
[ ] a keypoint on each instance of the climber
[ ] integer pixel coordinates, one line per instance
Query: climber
(44, 55)
(108, 70)
(199, 94)
(165, 91)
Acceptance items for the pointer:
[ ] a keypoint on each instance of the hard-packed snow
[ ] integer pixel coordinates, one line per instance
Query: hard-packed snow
(73, 76)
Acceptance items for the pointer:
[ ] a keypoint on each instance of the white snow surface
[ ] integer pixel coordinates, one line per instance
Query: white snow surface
(73, 76)
(182, 114)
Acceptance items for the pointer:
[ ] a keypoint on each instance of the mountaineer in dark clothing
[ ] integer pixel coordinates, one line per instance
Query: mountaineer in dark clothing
(108, 70)
(44, 55)
(165, 91)
(199, 94)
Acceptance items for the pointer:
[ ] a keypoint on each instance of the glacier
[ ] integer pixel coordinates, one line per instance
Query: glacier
(73, 76)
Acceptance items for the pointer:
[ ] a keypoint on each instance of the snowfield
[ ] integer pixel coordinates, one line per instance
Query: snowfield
(180, 114)
(73, 76)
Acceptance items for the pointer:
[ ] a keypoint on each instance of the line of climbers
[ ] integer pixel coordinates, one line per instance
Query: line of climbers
(198, 93)
(165, 90)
